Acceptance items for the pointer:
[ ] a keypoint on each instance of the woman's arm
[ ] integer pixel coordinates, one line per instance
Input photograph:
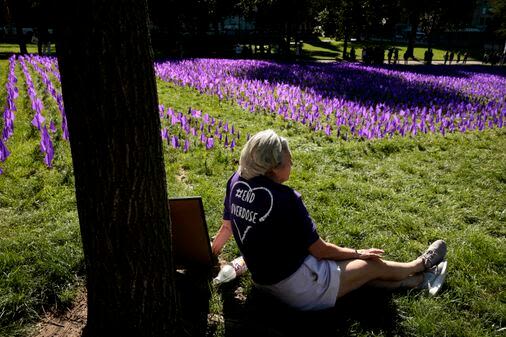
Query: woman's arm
(222, 237)
(325, 250)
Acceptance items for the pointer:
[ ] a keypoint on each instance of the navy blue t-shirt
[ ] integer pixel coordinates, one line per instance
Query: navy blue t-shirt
(271, 226)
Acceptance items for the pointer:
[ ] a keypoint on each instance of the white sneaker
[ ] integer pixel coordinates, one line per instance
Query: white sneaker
(434, 278)
(436, 285)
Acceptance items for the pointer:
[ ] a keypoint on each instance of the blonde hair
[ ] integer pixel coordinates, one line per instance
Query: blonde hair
(262, 153)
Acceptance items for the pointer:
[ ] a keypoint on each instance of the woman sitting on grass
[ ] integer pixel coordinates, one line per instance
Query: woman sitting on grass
(282, 249)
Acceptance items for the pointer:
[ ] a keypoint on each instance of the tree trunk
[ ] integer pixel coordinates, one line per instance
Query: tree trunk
(415, 20)
(109, 91)
(13, 8)
(21, 40)
(42, 39)
(288, 37)
(345, 44)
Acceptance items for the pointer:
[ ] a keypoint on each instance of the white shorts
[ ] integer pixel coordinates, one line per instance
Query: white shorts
(314, 286)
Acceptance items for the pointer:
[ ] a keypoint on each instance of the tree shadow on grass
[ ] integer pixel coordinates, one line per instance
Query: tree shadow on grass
(456, 70)
(405, 88)
(320, 54)
(323, 44)
(369, 311)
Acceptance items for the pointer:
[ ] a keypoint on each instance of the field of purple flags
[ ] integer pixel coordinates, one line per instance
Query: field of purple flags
(186, 130)
(9, 112)
(352, 100)
(337, 99)
(183, 131)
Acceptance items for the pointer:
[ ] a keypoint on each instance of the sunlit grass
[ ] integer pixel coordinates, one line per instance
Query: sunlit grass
(14, 48)
(329, 49)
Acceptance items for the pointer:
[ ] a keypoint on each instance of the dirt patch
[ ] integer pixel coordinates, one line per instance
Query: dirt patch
(181, 175)
(68, 324)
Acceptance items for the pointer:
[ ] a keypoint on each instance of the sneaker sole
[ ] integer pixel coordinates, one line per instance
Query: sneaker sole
(440, 279)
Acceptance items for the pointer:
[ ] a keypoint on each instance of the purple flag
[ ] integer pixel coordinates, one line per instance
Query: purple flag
(65, 128)
(327, 130)
(46, 146)
(174, 142)
(37, 105)
(165, 133)
(196, 113)
(38, 120)
(4, 152)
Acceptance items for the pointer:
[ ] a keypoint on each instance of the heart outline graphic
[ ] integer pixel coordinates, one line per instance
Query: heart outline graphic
(261, 219)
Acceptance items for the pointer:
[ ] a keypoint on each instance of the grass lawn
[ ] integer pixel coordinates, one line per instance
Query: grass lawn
(14, 48)
(398, 194)
(329, 49)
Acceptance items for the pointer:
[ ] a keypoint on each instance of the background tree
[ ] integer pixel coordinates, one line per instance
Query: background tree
(498, 24)
(342, 19)
(278, 20)
(18, 13)
(179, 26)
(435, 16)
(109, 91)
(374, 17)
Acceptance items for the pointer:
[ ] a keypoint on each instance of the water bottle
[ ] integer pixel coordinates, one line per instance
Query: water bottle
(231, 270)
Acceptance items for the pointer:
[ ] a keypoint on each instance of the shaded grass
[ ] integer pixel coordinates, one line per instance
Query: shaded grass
(397, 194)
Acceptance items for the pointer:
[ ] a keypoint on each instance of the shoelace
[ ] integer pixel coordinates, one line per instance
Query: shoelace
(428, 257)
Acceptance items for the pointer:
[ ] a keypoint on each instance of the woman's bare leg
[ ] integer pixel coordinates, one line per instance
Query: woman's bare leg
(356, 273)
(409, 282)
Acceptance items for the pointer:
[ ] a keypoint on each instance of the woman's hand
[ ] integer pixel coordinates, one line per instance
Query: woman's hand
(370, 253)
(224, 233)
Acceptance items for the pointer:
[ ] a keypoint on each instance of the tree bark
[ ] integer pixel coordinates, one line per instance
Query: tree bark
(415, 20)
(346, 38)
(43, 39)
(109, 92)
(13, 9)
(21, 40)
(288, 38)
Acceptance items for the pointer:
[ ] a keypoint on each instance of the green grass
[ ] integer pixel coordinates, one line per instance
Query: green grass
(8, 48)
(330, 49)
(40, 248)
(397, 194)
